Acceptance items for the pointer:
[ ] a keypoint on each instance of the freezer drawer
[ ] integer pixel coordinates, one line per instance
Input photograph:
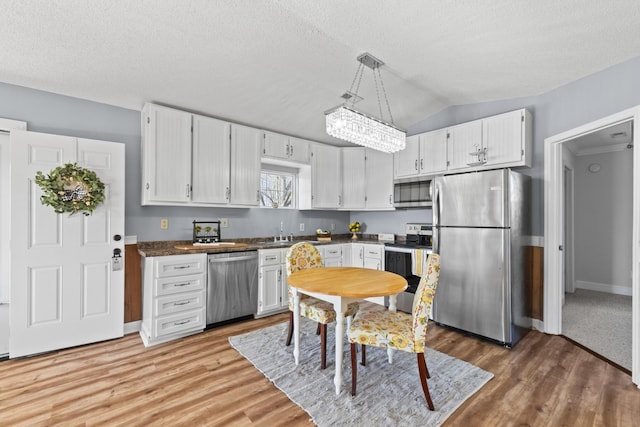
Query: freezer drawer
(473, 290)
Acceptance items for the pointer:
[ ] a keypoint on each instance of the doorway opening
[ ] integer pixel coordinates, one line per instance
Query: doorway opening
(592, 220)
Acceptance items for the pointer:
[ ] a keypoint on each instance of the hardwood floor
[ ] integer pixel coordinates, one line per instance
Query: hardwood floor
(200, 380)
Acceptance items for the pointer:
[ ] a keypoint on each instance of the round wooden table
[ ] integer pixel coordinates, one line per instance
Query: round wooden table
(340, 286)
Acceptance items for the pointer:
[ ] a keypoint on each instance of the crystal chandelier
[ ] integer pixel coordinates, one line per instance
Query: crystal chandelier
(347, 123)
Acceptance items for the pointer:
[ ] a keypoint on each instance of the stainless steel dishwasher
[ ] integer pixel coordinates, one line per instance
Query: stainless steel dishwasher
(232, 286)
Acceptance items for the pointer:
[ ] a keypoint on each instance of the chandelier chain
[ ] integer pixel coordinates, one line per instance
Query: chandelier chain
(359, 71)
(375, 82)
(385, 97)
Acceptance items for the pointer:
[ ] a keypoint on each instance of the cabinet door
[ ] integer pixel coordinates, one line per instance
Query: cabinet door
(269, 288)
(333, 256)
(326, 176)
(166, 154)
(299, 150)
(245, 165)
(379, 180)
(275, 145)
(357, 255)
(211, 159)
(503, 138)
(464, 140)
(406, 161)
(353, 178)
(433, 152)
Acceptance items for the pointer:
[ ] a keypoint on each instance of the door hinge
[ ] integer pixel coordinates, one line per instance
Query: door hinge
(522, 118)
(560, 248)
(448, 135)
(148, 120)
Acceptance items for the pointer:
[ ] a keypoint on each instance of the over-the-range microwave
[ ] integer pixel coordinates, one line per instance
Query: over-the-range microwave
(412, 192)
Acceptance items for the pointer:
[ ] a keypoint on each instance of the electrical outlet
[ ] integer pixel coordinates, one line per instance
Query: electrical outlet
(224, 222)
(164, 224)
(302, 226)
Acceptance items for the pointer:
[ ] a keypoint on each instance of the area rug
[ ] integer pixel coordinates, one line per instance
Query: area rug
(387, 395)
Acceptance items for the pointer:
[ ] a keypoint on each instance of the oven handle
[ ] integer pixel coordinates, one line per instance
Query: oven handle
(397, 249)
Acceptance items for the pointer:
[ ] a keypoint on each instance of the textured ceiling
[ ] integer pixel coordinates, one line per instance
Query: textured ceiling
(280, 64)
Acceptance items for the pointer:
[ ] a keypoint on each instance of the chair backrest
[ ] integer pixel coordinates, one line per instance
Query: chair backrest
(301, 256)
(423, 299)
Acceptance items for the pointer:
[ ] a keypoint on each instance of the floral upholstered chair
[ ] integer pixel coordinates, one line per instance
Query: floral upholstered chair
(301, 256)
(397, 330)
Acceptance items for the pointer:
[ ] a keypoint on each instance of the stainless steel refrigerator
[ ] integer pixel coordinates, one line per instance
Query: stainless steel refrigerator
(481, 221)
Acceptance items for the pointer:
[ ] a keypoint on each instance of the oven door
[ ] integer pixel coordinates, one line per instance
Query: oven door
(399, 260)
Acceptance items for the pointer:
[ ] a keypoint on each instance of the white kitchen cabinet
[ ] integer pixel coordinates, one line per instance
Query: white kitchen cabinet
(284, 147)
(367, 179)
(214, 164)
(245, 165)
(326, 177)
(354, 179)
(503, 140)
(166, 146)
(367, 255)
(464, 140)
(407, 161)
(332, 255)
(507, 139)
(433, 152)
(272, 284)
(211, 160)
(173, 297)
(379, 180)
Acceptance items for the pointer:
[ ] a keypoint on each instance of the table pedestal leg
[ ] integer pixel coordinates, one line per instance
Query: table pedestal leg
(339, 349)
(393, 299)
(296, 326)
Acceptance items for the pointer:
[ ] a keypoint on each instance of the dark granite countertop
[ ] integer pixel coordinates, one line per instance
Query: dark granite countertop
(167, 247)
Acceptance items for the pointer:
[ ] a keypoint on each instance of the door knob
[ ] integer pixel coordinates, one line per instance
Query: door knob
(117, 237)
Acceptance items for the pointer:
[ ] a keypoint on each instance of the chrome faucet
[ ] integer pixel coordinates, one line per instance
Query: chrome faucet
(282, 238)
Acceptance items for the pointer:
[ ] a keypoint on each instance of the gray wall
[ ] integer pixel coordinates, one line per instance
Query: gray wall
(566, 107)
(603, 219)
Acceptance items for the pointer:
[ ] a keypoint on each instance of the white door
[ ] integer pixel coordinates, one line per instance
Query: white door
(353, 178)
(211, 160)
(503, 137)
(433, 152)
(246, 144)
(379, 180)
(64, 291)
(464, 140)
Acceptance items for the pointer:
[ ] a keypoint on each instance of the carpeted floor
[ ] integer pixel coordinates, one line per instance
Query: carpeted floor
(601, 322)
(388, 395)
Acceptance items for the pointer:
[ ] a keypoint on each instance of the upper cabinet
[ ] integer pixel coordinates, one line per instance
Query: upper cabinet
(283, 147)
(367, 179)
(166, 146)
(504, 140)
(194, 160)
(326, 177)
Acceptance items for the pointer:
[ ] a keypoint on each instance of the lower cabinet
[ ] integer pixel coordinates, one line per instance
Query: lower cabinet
(173, 297)
(367, 255)
(273, 296)
(332, 255)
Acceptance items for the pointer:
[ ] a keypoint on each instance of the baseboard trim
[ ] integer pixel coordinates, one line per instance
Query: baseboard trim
(538, 325)
(132, 327)
(604, 287)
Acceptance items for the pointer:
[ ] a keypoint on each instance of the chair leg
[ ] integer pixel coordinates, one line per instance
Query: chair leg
(422, 371)
(354, 368)
(290, 331)
(323, 345)
(363, 362)
(318, 328)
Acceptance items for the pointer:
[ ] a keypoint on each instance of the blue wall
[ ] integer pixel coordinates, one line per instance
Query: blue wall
(590, 98)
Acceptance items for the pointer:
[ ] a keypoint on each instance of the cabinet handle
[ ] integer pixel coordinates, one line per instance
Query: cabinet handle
(180, 267)
(271, 258)
(188, 190)
(339, 200)
(391, 199)
(421, 164)
(257, 195)
(179, 285)
(291, 150)
(288, 150)
(227, 193)
(182, 303)
(181, 323)
(416, 164)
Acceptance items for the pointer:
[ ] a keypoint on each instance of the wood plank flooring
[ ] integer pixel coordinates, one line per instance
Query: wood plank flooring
(201, 380)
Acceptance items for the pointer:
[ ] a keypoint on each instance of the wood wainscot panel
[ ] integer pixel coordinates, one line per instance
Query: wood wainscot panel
(132, 284)
(534, 277)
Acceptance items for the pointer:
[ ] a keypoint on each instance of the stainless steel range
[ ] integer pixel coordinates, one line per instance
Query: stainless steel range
(405, 257)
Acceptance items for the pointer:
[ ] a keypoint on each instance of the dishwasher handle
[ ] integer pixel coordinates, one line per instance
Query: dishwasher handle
(231, 259)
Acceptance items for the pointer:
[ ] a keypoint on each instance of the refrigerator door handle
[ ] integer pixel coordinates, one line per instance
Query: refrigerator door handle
(435, 196)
